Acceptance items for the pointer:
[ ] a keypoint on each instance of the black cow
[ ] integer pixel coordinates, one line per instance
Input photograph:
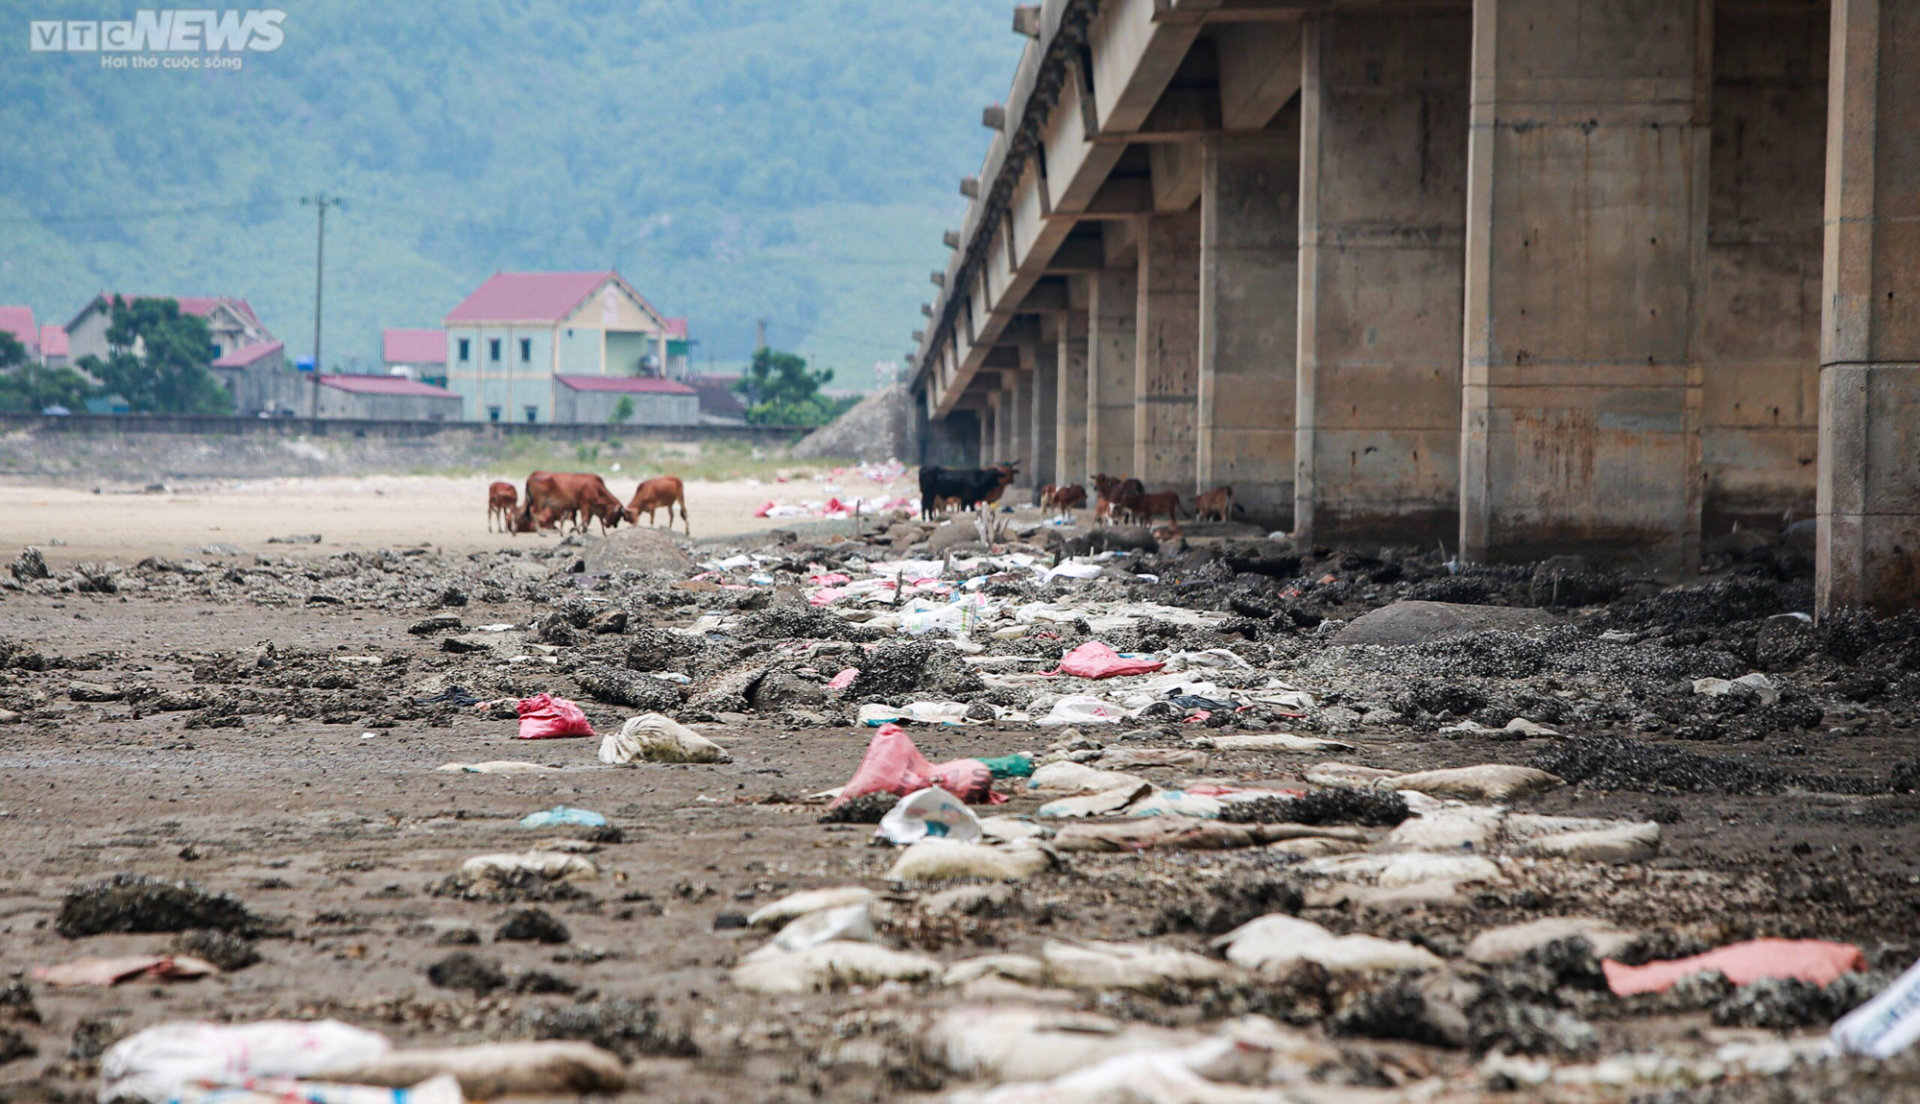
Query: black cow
(962, 487)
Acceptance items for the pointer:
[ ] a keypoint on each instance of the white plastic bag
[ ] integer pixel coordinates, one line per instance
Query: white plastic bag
(660, 739)
(932, 813)
(149, 1065)
(849, 924)
(1885, 1025)
(1079, 709)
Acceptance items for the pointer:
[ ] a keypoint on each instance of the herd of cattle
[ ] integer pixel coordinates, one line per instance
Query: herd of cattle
(1117, 498)
(557, 499)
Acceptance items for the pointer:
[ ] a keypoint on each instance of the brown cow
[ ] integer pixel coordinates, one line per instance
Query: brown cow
(1063, 498)
(1146, 507)
(1114, 492)
(665, 490)
(580, 497)
(502, 501)
(1214, 505)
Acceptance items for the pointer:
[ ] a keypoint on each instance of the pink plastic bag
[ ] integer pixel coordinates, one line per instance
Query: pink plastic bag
(894, 765)
(1810, 960)
(844, 679)
(1094, 660)
(544, 716)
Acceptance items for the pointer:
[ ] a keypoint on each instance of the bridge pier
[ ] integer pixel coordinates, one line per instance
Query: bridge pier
(1383, 220)
(1167, 353)
(1586, 219)
(1110, 374)
(1249, 282)
(1868, 540)
(1071, 405)
(1042, 359)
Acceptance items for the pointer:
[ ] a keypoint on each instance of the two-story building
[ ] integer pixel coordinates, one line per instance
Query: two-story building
(515, 341)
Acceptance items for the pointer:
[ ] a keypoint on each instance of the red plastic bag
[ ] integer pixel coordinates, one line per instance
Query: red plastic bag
(544, 716)
(1811, 960)
(1094, 660)
(894, 765)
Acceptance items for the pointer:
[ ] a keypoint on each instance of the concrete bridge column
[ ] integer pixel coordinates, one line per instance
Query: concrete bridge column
(1868, 550)
(1000, 413)
(1070, 405)
(1586, 226)
(1110, 373)
(1044, 357)
(1167, 353)
(1249, 281)
(1761, 394)
(1020, 427)
(1382, 234)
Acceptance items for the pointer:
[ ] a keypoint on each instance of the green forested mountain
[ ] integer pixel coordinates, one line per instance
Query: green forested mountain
(793, 160)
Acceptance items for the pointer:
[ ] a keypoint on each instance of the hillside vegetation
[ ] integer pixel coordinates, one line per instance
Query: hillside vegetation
(738, 159)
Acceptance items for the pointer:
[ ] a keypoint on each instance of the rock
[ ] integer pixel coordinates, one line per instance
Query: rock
(636, 549)
(1416, 622)
(226, 950)
(874, 430)
(438, 623)
(1430, 1009)
(629, 1028)
(461, 970)
(93, 692)
(607, 683)
(532, 925)
(137, 903)
(953, 534)
(29, 565)
(296, 538)
(778, 689)
(609, 623)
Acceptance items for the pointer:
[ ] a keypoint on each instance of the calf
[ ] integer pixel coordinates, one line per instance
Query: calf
(1114, 491)
(581, 497)
(1214, 505)
(502, 501)
(665, 490)
(1064, 498)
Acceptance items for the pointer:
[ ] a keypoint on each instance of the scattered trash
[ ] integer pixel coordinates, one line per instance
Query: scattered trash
(496, 766)
(660, 739)
(893, 765)
(1094, 660)
(810, 900)
(1273, 944)
(544, 716)
(829, 967)
(563, 816)
(1885, 1025)
(932, 813)
(153, 1064)
(852, 923)
(938, 860)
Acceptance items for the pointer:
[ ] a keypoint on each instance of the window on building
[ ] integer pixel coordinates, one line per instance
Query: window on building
(526, 350)
(533, 413)
(493, 413)
(463, 350)
(493, 349)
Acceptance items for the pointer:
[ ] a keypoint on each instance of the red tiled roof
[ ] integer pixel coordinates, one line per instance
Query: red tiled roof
(53, 341)
(386, 385)
(248, 355)
(528, 296)
(677, 328)
(633, 385)
(413, 346)
(18, 321)
(201, 305)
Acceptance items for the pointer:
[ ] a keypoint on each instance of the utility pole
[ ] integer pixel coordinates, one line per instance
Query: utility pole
(320, 203)
(760, 335)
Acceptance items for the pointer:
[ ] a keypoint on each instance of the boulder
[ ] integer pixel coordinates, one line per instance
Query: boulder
(1416, 622)
(636, 549)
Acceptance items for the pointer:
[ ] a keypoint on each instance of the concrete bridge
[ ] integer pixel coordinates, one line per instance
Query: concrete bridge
(1521, 276)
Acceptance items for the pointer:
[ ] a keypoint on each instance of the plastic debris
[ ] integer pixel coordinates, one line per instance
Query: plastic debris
(1275, 942)
(563, 816)
(937, 860)
(829, 966)
(1885, 1025)
(808, 900)
(894, 765)
(852, 923)
(150, 1065)
(544, 717)
(93, 970)
(1810, 960)
(1094, 660)
(932, 813)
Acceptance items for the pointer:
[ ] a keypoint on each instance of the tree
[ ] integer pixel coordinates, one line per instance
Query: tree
(29, 388)
(622, 411)
(168, 374)
(781, 390)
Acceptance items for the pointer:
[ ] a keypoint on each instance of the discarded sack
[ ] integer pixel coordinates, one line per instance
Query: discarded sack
(659, 739)
(1273, 943)
(543, 717)
(1810, 960)
(894, 765)
(93, 970)
(490, 1070)
(1885, 1025)
(555, 866)
(280, 1090)
(150, 1065)
(932, 813)
(799, 904)
(946, 861)
(1094, 660)
(850, 923)
(1079, 709)
(828, 967)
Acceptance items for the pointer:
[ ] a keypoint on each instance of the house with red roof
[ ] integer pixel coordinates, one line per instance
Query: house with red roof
(514, 340)
(415, 354)
(384, 398)
(18, 321)
(53, 346)
(231, 325)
